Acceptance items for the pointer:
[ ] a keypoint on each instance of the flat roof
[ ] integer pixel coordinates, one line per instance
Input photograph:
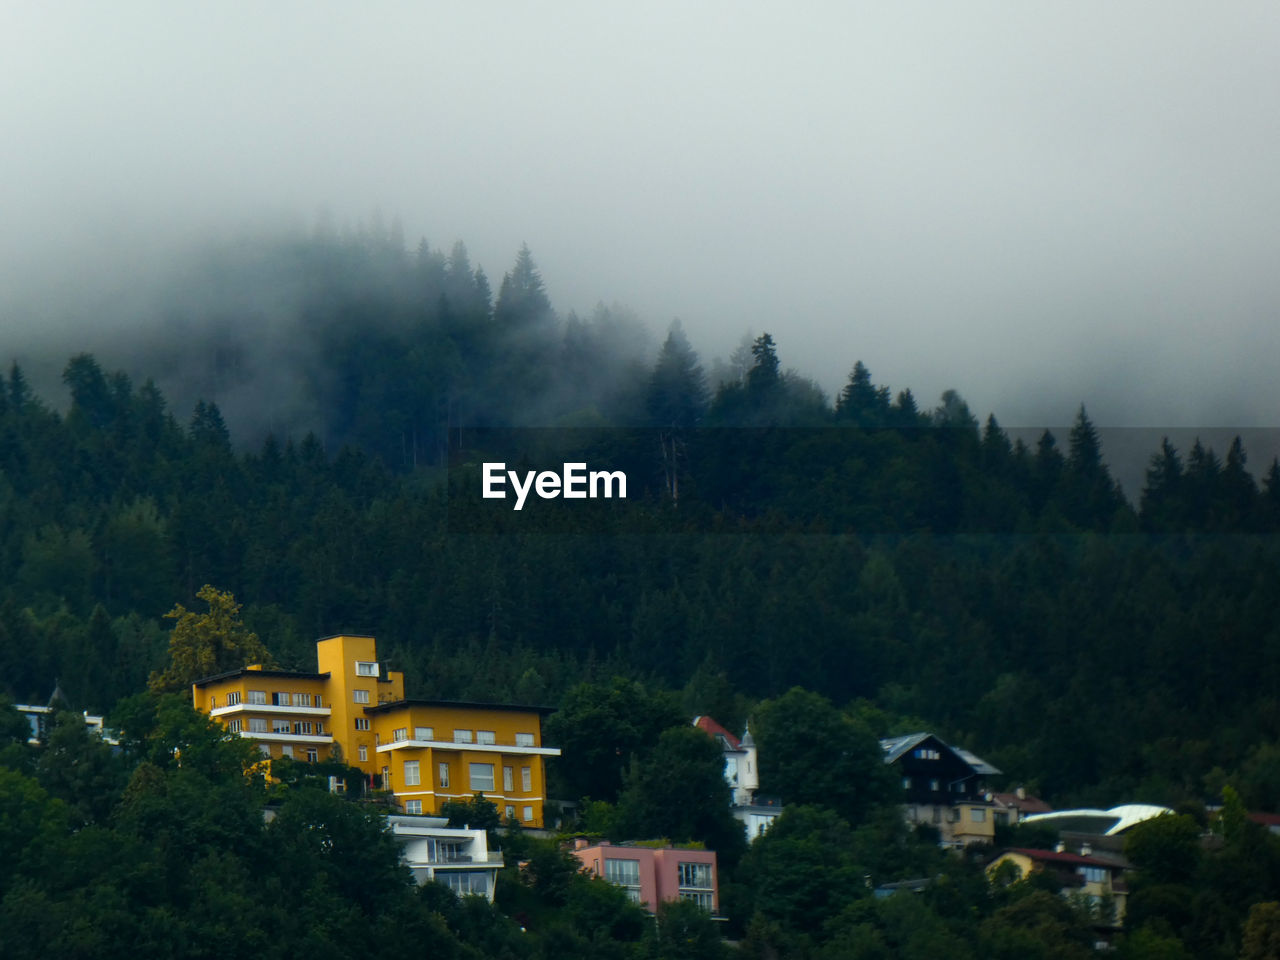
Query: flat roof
(260, 673)
(466, 704)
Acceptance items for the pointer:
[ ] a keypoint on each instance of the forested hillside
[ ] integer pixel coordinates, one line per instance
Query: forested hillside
(1007, 596)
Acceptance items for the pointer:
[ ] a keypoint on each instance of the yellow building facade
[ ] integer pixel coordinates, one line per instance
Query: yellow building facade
(426, 752)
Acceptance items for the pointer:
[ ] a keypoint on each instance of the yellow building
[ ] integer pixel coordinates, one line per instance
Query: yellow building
(427, 752)
(1099, 881)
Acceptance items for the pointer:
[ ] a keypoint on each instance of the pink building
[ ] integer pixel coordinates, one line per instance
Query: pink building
(653, 874)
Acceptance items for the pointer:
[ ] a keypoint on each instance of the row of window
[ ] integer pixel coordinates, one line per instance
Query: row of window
(926, 753)
(304, 728)
(287, 751)
(259, 698)
(480, 775)
(459, 735)
(959, 786)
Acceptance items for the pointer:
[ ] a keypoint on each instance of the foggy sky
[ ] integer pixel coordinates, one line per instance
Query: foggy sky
(1037, 204)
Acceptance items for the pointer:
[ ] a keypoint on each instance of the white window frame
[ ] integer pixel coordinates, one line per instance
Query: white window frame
(461, 736)
(526, 779)
(367, 668)
(363, 752)
(359, 696)
(442, 774)
(258, 696)
(412, 773)
(413, 806)
(524, 739)
(424, 733)
(528, 813)
(486, 736)
(508, 779)
(362, 723)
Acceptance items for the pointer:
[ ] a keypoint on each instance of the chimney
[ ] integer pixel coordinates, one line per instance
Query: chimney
(1022, 793)
(1060, 847)
(1086, 849)
(581, 843)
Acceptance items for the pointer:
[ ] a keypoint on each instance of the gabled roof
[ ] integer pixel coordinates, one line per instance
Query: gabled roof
(710, 727)
(246, 672)
(897, 747)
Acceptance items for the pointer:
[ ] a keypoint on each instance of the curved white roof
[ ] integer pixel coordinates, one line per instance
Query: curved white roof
(1107, 822)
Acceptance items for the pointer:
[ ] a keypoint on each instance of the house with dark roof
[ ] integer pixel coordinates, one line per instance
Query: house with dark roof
(943, 786)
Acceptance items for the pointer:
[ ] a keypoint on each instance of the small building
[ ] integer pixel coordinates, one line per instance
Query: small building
(1012, 808)
(354, 709)
(742, 773)
(458, 857)
(651, 875)
(943, 786)
(1097, 879)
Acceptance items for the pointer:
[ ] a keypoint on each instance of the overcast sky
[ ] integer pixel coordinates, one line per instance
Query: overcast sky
(1035, 203)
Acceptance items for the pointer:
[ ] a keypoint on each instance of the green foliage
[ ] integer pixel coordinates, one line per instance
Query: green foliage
(202, 645)
(678, 791)
(812, 753)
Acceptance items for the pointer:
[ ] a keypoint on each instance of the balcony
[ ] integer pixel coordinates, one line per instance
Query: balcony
(269, 708)
(304, 738)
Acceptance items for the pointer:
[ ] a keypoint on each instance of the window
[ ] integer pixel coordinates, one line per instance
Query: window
(461, 736)
(528, 813)
(281, 699)
(366, 668)
(625, 873)
(465, 882)
(317, 699)
(213, 703)
(400, 733)
(302, 727)
(359, 696)
(362, 723)
(933, 785)
(281, 726)
(511, 811)
(482, 776)
(977, 815)
(906, 783)
(266, 750)
(424, 733)
(386, 777)
(958, 786)
(442, 776)
(526, 779)
(953, 815)
(1093, 874)
(363, 752)
(486, 736)
(924, 753)
(258, 696)
(233, 726)
(257, 725)
(731, 770)
(508, 779)
(319, 728)
(312, 755)
(302, 699)
(524, 739)
(1001, 818)
(701, 897)
(694, 875)
(413, 806)
(233, 698)
(411, 775)
(286, 751)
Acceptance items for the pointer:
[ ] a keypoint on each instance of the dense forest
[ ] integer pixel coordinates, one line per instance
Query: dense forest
(912, 565)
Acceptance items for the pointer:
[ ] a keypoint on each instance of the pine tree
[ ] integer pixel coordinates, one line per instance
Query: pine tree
(676, 401)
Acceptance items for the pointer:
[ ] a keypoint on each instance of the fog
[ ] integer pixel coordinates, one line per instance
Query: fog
(1034, 204)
